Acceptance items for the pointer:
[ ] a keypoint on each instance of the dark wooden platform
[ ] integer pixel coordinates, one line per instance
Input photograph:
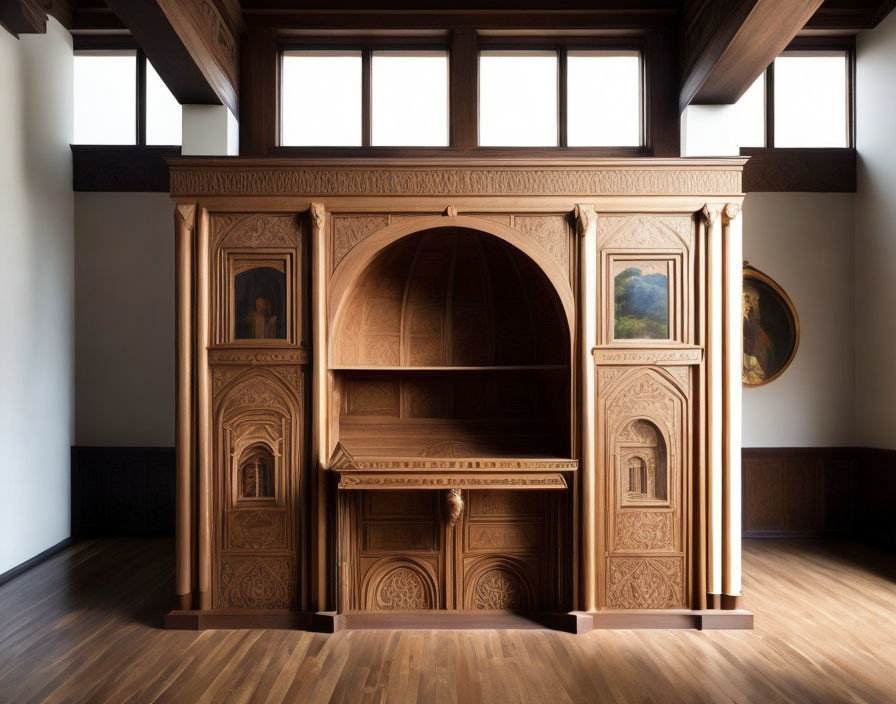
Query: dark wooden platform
(86, 626)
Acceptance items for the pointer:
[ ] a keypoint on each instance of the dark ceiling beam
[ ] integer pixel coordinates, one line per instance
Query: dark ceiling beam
(849, 16)
(523, 19)
(193, 44)
(23, 17)
(727, 44)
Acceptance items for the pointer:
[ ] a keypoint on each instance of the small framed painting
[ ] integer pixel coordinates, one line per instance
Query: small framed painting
(771, 328)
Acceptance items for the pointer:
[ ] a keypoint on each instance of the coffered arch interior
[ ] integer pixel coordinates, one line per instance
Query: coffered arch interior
(451, 297)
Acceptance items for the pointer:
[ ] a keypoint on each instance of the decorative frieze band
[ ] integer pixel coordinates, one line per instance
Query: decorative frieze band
(677, 355)
(239, 356)
(449, 179)
(451, 481)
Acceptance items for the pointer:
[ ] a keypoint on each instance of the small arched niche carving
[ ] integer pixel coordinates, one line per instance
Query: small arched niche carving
(644, 467)
(256, 473)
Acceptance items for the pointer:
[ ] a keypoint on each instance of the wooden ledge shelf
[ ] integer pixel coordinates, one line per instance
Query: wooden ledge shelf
(450, 472)
(483, 368)
(450, 480)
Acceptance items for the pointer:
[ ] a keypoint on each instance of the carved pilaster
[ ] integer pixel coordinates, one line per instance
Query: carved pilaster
(586, 226)
(455, 505)
(319, 405)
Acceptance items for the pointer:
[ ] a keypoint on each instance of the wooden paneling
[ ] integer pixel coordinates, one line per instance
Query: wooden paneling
(789, 169)
(122, 491)
(818, 492)
(121, 168)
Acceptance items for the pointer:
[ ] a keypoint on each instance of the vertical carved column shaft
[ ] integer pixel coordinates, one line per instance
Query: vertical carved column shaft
(319, 409)
(203, 431)
(714, 401)
(731, 467)
(586, 219)
(184, 220)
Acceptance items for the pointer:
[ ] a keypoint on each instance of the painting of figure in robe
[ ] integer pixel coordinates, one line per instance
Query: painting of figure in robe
(771, 329)
(260, 304)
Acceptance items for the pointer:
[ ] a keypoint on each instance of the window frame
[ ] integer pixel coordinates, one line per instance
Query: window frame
(85, 43)
(821, 45)
(366, 47)
(463, 46)
(562, 49)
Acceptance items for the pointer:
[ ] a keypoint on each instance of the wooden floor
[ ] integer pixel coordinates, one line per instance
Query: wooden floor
(85, 627)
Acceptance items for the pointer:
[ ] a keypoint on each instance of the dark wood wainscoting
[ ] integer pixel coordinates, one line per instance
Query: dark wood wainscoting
(792, 492)
(787, 492)
(122, 491)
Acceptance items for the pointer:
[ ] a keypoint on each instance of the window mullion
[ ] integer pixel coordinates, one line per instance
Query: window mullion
(366, 108)
(561, 97)
(141, 98)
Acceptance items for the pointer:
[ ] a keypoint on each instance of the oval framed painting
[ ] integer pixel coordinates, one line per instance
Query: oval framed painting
(771, 328)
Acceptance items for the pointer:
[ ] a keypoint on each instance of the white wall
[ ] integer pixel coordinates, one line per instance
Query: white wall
(804, 241)
(875, 251)
(124, 298)
(36, 287)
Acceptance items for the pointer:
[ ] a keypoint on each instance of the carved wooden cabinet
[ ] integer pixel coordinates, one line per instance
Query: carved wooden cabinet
(412, 388)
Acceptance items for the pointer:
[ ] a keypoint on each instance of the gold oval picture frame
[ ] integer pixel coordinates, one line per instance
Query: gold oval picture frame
(771, 328)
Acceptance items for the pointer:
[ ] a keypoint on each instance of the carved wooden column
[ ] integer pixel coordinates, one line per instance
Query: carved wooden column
(185, 221)
(714, 400)
(586, 219)
(203, 430)
(319, 407)
(731, 477)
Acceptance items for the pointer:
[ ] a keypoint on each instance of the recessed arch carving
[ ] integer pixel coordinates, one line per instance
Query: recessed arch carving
(398, 585)
(499, 583)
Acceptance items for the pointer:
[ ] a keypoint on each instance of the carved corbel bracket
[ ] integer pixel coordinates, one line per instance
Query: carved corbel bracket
(455, 505)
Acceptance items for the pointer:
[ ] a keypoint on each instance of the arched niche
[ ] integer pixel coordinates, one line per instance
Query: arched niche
(352, 267)
(450, 297)
(452, 342)
(644, 465)
(256, 472)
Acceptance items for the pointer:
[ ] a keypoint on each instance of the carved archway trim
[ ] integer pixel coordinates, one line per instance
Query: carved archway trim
(356, 261)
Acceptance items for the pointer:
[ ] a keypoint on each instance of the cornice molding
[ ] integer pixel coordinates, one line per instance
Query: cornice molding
(661, 177)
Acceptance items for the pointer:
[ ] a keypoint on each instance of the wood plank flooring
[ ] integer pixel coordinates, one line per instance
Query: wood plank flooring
(85, 626)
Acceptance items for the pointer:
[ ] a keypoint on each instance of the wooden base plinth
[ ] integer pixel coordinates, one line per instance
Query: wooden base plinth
(247, 619)
(577, 622)
(710, 619)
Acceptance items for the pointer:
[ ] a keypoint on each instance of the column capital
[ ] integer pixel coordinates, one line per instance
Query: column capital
(318, 215)
(586, 219)
(711, 213)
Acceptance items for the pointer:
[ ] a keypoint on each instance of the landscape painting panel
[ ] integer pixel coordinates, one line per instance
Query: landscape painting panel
(641, 295)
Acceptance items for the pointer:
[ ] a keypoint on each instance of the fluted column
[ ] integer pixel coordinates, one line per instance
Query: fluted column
(184, 221)
(731, 468)
(586, 219)
(715, 381)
